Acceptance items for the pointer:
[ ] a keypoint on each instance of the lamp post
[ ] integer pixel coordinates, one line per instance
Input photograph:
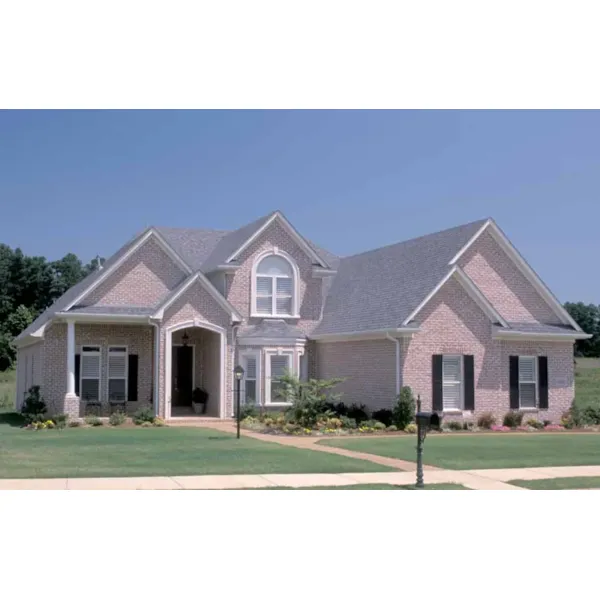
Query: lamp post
(423, 422)
(238, 373)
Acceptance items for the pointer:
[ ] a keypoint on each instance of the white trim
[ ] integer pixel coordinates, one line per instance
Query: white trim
(205, 282)
(373, 334)
(319, 272)
(295, 284)
(193, 347)
(256, 354)
(168, 343)
(290, 229)
(397, 341)
(518, 260)
(81, 378)
(539, 337)
(429, 296)
(292, 368)
(256, 341)
(156, 370)
(108, 377)
(103, 318)
(144, 237)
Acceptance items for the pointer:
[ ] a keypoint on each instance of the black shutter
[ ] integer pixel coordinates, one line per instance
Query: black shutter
(132, 378)
(514, 382)
(469, 374)
(77, 372)
(543, 381)
(437, 386)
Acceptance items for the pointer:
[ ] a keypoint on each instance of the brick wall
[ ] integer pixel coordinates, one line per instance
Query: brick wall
(503, 284)
(144, 279)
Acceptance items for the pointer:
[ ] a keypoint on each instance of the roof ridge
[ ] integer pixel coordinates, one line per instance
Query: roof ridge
(420, 237)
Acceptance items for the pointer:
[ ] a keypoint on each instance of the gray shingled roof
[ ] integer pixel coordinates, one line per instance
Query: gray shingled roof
(272, 328)
(112, 310)
(535, 328)
(379, 289)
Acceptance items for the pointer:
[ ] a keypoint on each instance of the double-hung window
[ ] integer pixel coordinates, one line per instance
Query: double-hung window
(117, 374)
(90, 373)
(274, 287)
(527, 381)
(277, 365)
(452, 381)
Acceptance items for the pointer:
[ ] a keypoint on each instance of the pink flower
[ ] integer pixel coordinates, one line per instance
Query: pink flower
(499, 428)
(554, 428)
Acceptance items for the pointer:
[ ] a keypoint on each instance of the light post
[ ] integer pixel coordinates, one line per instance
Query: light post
(423, 422)
(238, 373)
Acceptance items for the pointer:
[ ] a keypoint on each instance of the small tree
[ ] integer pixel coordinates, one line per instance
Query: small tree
(403, 412)
(34, 407)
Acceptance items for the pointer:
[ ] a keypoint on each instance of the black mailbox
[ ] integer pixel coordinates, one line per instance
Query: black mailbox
(434, 421)
(424, 419)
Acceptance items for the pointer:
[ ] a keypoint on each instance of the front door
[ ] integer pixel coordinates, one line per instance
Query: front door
(182, 378)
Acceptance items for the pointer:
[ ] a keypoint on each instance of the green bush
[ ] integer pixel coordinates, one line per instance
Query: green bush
(591, 415)
(391, 428)
(513, 419)
(74, 424)
(117, 418)
(454, 425)
(143, 415)
(486, 420)
(60, 421)
(158, 422)
(146, 424)
(468, 425)
(348, 423)
(403, 412)
(384, 415)
(34, 408)
(93, 420)
(358, 412)
(411, 428)
(535, 424)
(248, 410)
(373, 424)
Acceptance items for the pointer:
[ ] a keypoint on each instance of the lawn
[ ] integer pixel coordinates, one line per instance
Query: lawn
(113, 452)
(485, 451)
(374, 486)
(562, 483)
(7, 390)
(587, 382)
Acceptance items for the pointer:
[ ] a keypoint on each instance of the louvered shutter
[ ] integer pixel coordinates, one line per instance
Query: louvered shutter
(117, 374)
(132, 378)
(513, 375)
(250, 380)
(437, 393)
(469, 377)
(77, 372)
(543, 381)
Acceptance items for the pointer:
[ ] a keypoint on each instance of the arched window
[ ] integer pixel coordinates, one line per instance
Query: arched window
(275, 287)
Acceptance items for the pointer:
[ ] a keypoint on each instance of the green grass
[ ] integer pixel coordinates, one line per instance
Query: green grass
(485, 451)
(7, 390)
(587, 382)
(374, 486)
(127, 452)
(562, 483)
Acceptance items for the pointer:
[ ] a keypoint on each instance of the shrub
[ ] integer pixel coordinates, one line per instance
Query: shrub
(358, 412)
(93, 420)
(74, 423)
(468, 425)
(145, 424)
(34, 408)
(50, 424)
(248, 410)
(383, 415)
(486, 420)
(391, 428)
(373, 424)
(61, 420)
(454, 425)
(158, 422)
(403, 412)
(411, 428)
(143, 415)
(348, 423)
(546, 422)
(117, 418)
(591, 415)
(535, 423)
(512, 419)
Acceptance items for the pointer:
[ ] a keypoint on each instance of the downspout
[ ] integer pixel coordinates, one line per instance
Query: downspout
(156, 386)
(397, 340)
(234, 329)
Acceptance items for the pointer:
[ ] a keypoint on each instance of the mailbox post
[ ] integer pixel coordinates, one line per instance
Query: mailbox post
(423, 422)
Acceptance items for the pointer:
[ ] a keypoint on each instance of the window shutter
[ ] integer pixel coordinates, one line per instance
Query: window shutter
(437, 385)
(513, 376)
(469, 375)
(132, 378)
(77, 372)
(543, 381)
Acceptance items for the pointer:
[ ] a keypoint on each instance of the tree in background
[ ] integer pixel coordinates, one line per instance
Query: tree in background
(587, 316)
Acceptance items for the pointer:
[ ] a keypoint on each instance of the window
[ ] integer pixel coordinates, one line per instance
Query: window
(90, 373)
(278, 363)
(274, 287)
(250, 392)
(452, 376)
(527, 381)
(117, 373)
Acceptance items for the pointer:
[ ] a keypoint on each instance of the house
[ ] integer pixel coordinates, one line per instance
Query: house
(458, 316)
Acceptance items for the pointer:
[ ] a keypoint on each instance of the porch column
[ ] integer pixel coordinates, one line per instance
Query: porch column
(71, 359)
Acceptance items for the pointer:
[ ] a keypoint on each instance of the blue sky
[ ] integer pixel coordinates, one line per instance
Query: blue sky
(87, 181)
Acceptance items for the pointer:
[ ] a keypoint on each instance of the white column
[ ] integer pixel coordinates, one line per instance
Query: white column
(70, 358)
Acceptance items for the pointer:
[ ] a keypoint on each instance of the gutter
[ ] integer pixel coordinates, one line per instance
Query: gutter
(397, 340)
(155, 369)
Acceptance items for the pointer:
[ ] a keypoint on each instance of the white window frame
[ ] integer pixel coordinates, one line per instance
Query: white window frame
(295, 279)
(292, 369)
(535, 382)
(108, 377)
(98, 353)
(461, 382)
(244, 356)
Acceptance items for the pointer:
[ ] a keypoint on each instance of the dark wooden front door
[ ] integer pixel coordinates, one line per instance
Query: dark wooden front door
(182, 375)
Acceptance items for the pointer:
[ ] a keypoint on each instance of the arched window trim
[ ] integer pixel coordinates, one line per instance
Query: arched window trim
(295, 281)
